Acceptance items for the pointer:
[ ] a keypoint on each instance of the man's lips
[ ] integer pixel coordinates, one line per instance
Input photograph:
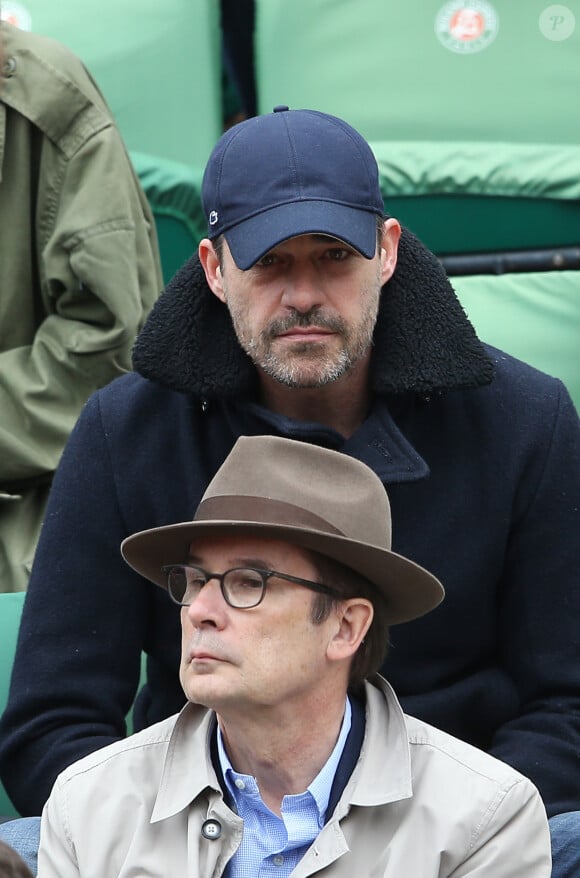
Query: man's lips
(301, 333)
(196, 656)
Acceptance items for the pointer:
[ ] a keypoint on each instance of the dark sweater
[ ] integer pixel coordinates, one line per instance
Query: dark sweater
(480, 455)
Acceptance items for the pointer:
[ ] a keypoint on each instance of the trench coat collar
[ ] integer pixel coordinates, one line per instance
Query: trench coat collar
(382, 775)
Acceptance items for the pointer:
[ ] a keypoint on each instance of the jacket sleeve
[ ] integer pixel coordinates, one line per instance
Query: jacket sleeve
(56, 854)
(513, 841)
(73, 684)
(99, 275)
(539, 631)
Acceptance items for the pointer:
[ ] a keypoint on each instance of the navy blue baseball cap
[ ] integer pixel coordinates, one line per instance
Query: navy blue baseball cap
(289, 173)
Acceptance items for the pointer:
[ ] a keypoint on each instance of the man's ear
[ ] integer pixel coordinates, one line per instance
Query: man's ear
(389, 248)
(354, 617)
(211, 266)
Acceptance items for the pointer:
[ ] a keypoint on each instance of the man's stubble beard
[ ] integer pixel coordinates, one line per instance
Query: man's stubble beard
(306, 364)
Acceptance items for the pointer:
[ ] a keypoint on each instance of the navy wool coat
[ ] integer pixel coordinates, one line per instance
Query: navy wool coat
(479, 453)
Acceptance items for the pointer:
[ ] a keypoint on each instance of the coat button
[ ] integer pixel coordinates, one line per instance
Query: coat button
(9, 67)
(211, 829)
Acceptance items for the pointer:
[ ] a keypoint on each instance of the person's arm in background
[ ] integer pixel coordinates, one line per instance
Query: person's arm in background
(99, 277)
(79, 272)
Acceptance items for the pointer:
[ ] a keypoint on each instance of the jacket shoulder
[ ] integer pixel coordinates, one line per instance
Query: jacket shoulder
(514, 375)
(150, 740)
(50, 86)
(457, 760)
(131, 394)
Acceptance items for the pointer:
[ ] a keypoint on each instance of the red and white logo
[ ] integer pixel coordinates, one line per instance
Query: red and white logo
(15, 14)
(466, 27)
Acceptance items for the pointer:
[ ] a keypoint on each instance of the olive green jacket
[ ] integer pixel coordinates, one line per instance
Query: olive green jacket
(79, 271)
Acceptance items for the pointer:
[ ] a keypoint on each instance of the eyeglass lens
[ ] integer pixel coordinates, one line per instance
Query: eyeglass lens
(241, 586)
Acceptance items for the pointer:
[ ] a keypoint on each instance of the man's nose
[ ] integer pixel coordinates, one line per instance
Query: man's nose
(303, 289)
(208, 606)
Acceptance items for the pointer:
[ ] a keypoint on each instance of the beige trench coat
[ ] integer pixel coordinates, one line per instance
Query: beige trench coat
(419, 804)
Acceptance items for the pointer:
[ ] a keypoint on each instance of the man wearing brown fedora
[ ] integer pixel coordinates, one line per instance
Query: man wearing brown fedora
(292, 756)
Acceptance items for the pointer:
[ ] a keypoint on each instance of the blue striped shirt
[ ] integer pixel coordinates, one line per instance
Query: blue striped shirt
(272, 845)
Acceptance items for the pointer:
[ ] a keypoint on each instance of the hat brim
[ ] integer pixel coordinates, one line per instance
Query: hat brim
(252, 238)
(409, 590)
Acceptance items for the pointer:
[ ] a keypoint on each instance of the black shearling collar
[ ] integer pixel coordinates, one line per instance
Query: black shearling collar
(423, 341)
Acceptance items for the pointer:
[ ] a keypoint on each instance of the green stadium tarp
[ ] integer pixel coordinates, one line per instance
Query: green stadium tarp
(395, 72)
(157, 63)
(533, 316)
(174, 193)
(476, 131)
(474, 197)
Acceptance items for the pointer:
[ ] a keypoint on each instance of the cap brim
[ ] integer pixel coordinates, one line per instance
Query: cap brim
(409, 590)
(254, 237)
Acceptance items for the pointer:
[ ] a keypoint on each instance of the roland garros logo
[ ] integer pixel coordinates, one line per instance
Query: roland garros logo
(466, 27)
(15, 14)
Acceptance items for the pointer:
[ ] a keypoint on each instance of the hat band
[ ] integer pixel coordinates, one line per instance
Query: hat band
(237, 509)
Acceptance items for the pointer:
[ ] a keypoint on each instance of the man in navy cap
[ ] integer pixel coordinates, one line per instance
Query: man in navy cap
(299, 261)
(309, 314)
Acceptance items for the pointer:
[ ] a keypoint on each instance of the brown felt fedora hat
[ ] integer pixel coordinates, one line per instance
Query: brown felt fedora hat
(305, 495)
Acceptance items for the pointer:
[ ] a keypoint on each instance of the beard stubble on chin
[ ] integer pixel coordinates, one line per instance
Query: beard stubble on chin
(309, 364)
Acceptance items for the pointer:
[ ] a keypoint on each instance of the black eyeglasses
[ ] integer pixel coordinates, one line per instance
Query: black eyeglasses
(242, 587)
